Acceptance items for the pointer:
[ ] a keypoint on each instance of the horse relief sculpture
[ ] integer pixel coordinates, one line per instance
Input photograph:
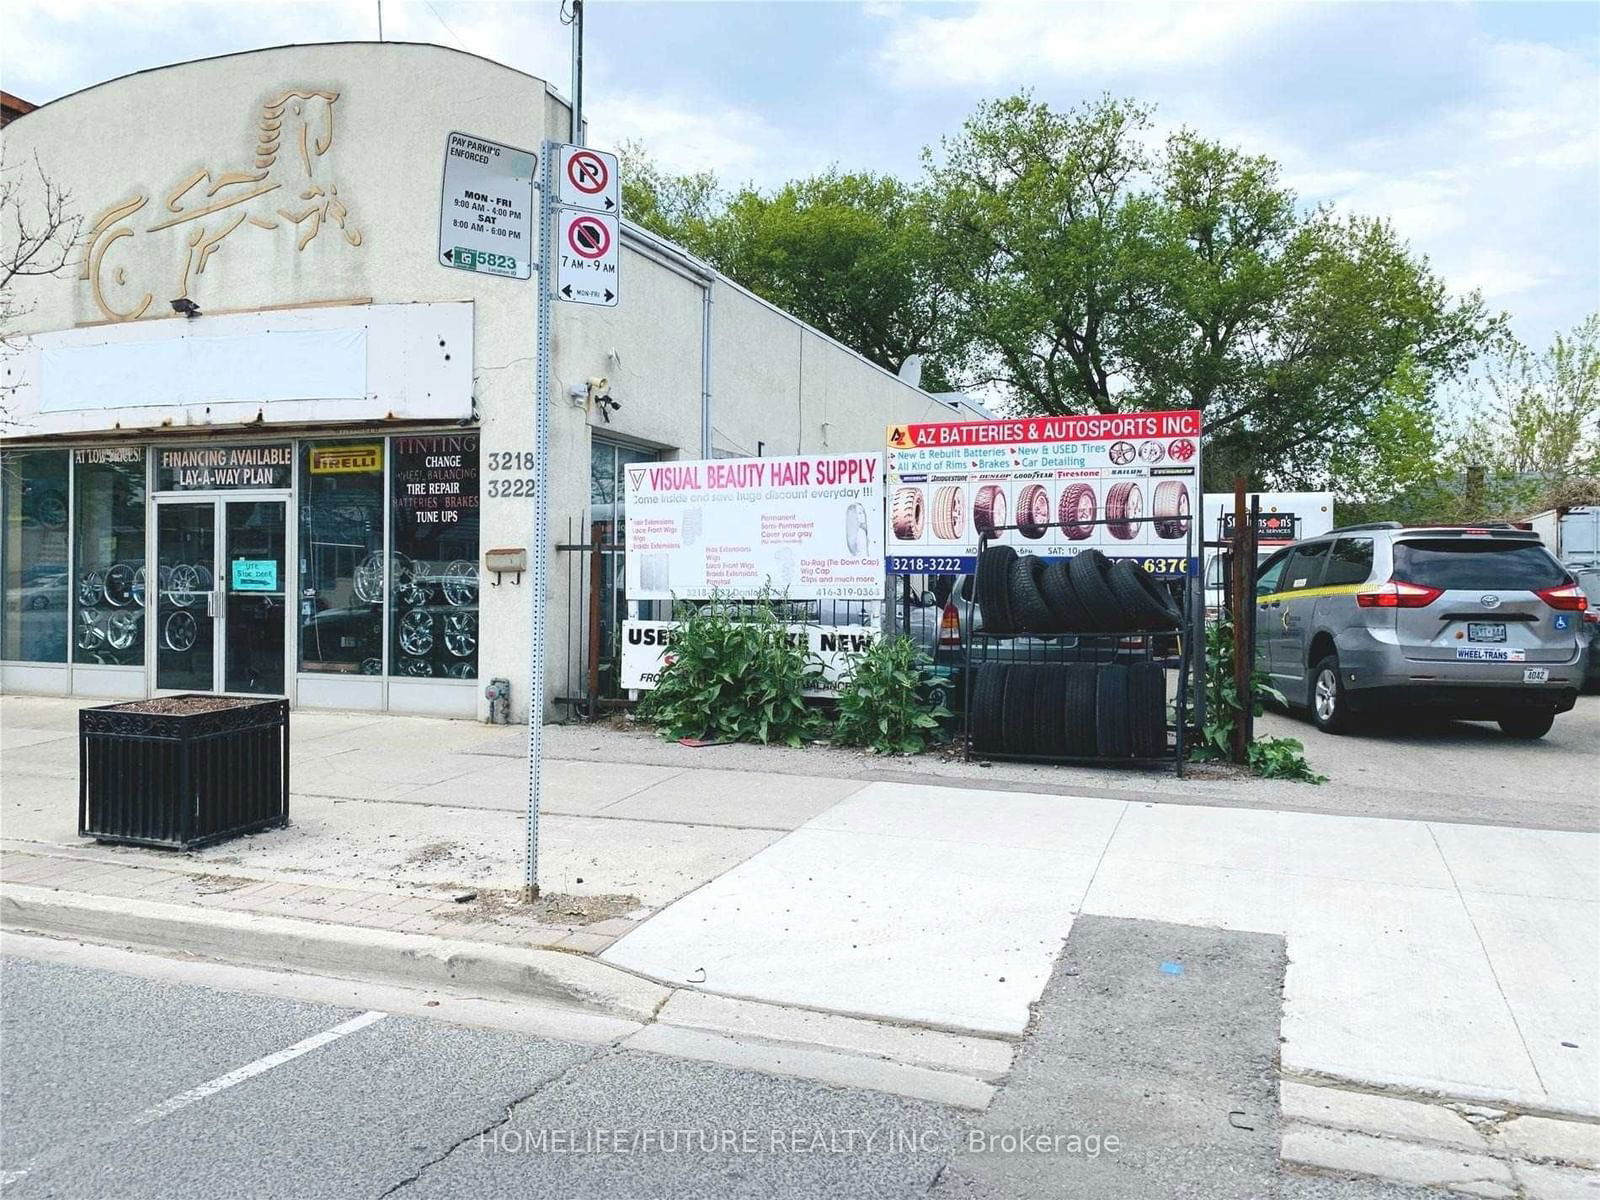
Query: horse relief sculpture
(290, 186)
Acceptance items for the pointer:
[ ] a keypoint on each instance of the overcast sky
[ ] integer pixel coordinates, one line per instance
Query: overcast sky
(1474, 127)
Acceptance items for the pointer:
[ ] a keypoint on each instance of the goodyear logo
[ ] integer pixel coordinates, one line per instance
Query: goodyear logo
(347, 460)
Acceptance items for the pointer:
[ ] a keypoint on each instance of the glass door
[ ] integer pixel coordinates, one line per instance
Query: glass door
(186, 603)
(221, 619)
(256, 608)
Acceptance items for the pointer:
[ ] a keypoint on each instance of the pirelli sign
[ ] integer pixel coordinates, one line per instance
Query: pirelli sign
(347, 460)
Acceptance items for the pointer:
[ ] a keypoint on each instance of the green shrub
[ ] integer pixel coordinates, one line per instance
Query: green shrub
(885, 701)
(1271, 758)
(733, 674)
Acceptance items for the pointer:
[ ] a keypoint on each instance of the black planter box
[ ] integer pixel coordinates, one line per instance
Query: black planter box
(152, 774)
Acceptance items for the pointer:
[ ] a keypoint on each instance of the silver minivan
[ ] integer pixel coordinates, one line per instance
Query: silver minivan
(1479, 623)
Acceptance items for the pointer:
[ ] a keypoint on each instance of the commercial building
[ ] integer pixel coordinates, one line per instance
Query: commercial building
(259, 439)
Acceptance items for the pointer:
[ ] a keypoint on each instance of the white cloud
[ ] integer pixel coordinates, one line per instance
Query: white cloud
(685, 135)
(1006, 43)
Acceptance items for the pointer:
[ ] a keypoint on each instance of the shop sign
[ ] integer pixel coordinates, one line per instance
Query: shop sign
(102, 455)
(347, 460)
(1126, 484)
(194, 469)
(804, 528)
(831, 649)
(255, 574)
(435, 482)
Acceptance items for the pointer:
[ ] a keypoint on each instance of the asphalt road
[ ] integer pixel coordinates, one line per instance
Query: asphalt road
(122, 1086)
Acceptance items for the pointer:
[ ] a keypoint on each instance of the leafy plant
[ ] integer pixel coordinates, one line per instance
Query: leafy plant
(733, 673)
(886, 701)
(1271, 758)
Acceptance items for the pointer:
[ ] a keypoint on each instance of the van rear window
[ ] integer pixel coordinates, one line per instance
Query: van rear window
(1477, 564)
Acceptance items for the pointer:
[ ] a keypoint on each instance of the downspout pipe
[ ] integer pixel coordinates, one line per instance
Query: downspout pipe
(706, 276)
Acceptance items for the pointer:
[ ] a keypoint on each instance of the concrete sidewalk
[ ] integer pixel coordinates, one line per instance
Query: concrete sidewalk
(1452, 970)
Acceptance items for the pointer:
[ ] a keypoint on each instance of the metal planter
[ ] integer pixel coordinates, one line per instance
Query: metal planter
(182, 779)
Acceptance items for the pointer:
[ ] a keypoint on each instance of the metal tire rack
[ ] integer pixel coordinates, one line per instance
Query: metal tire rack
(1103, 649)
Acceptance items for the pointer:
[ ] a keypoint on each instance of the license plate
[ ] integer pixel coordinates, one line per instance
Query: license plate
(1535, 674)
(1477, 632)
(1490, 654)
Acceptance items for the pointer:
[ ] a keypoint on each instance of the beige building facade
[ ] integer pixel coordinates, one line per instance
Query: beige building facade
(291, 488)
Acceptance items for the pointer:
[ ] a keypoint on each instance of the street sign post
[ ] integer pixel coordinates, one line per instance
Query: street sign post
(587, 179)
(587, 250)
(486, 208)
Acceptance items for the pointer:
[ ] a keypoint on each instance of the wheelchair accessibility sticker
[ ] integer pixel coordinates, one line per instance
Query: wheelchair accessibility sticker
(1563, 620)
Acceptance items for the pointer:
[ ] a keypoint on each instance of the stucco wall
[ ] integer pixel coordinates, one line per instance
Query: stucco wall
(353, 135)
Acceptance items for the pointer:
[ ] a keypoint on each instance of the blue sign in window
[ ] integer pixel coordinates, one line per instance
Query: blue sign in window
(255, 575)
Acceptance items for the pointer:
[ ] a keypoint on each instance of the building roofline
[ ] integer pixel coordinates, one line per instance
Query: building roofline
(545, 83)
(701, 267)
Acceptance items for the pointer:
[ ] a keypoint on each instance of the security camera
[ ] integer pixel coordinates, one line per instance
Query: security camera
(186, 306)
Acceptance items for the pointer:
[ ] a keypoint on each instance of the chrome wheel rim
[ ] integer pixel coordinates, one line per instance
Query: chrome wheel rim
(1327, 697)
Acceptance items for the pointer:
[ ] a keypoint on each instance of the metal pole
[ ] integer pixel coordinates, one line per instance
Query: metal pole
(539, 551)
(577, 73)
(1248, 717)
(1242, 649)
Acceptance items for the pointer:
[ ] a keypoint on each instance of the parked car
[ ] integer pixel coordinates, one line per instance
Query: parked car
(1589, 580)
(1474, 623)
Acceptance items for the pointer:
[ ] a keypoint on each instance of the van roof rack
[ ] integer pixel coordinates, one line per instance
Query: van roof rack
(1368, 525)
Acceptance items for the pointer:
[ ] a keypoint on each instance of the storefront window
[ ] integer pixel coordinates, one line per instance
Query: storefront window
(108, 578)
(434, 566)
(34, 547)
(341, 557)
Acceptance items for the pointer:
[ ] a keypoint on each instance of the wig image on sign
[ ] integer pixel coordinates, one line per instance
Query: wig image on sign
(906, 514)
(949, 513)
(655, 572)
(989, 509)
(857, 538)
(1033, 511)
(1124, 507)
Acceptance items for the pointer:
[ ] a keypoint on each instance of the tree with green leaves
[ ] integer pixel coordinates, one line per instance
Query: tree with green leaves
(1103, 276)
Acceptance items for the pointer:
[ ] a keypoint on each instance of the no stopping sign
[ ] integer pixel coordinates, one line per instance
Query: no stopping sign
(587, 251)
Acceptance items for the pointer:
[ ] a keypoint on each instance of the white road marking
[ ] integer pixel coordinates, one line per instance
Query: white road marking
(195, 1094)
(261, 1065)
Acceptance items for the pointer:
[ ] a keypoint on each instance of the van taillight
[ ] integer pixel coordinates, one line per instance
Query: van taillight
(1569, 597)
(1397, 593)
(950, 626)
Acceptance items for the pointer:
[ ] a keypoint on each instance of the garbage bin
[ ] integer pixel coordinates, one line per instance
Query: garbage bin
(182, 771)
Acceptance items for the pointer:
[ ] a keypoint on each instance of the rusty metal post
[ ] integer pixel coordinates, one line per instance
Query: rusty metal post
(599, 537)
(1240, 616)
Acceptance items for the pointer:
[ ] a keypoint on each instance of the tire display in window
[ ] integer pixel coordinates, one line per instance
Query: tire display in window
(179, 631)
(460, 583)
(367, 583)
(416, 632)
(461, 633)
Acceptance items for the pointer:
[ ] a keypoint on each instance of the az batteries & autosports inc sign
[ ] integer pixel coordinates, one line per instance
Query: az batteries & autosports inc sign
(1067, 483)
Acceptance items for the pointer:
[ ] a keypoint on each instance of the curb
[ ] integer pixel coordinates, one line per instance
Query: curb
(344, 951)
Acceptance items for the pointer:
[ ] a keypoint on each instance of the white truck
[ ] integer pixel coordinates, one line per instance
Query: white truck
(1285, 517)
(1571, 534)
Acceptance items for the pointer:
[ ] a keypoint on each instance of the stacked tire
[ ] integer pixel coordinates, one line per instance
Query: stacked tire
(1070, 710)
(1085, 594)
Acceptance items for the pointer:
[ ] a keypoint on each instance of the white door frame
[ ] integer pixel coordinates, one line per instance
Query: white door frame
(218, 499)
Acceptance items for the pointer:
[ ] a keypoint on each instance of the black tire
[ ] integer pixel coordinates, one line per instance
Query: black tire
(1082, 715)
(1330, 707)
(994, 597)
(984, 719)
(1529, 725)
(1088, 571)
(1113, 729)
(1050, 711)
(1016, 708)
(1147, 709)
(1055, 584)
(1124, 507)
(1029, 612)
(1141, 599)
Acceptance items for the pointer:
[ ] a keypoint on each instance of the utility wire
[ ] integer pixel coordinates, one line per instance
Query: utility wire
(446, 25)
